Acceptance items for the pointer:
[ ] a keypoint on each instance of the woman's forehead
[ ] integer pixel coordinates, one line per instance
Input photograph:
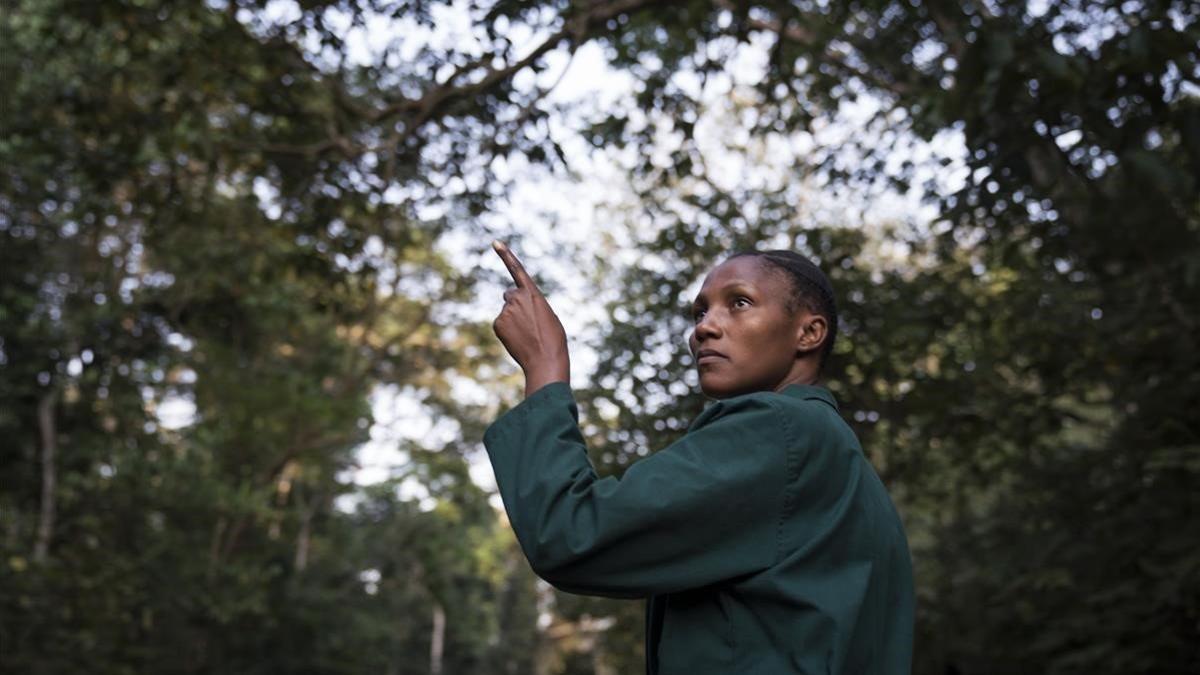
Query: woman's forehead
(742, 269)
(745, 267)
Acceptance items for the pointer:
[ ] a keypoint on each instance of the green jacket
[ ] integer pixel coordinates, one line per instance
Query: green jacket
(763, 539)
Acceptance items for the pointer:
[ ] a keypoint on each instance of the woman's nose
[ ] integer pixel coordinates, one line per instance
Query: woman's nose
(707, 328)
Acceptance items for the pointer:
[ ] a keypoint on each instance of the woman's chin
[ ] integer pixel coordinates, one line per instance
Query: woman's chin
(712, 388)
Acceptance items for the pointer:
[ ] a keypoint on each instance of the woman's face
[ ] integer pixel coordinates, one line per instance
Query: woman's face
(744, 338)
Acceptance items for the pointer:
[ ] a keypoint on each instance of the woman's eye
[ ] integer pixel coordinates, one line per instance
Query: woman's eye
(741, 302)
(697, 314)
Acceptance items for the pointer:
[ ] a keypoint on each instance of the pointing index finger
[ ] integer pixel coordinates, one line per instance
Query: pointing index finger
(515, 268)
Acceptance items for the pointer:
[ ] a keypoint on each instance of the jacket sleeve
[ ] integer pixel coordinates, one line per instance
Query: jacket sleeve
(704, 509)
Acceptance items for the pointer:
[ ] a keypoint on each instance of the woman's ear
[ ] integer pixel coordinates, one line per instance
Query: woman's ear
(811, 333)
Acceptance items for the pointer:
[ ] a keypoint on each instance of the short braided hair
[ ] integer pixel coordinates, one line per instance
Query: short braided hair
(811, 289)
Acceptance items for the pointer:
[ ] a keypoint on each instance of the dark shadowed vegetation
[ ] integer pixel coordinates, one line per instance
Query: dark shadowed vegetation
(217, 207)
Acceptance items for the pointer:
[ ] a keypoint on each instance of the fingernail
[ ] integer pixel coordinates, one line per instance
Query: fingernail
(497, 245)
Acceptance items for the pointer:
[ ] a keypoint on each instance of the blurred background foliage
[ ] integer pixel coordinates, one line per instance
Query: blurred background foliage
(212, 205)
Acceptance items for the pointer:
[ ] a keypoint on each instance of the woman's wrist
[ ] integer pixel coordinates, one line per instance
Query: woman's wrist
(538, 378)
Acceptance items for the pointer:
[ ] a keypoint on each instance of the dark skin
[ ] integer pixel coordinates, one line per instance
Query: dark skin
(745, 339)
(529, 329)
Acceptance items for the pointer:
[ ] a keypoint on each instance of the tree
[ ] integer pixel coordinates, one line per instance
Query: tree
(175, 230)
(221, 204)
(1025, 384)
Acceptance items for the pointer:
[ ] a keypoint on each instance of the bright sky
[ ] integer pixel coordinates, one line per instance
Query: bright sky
(559, 218)
(552, 214)
(555, 214)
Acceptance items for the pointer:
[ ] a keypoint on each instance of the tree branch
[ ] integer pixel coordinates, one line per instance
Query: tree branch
(49, 435)
(801, 35)
(433, 102)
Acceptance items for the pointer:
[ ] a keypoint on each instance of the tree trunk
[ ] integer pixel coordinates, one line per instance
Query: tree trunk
(49, 435)
(437, 641)
(309, 511)
(214, 547)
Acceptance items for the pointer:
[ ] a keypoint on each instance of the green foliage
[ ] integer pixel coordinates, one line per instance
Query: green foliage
(173, 233)
(218, 204)
(1026, 378)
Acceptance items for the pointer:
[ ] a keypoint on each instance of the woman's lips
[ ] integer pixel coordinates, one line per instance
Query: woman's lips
(710, 357)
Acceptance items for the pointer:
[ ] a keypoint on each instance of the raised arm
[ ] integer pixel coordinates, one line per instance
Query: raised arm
(705, 509)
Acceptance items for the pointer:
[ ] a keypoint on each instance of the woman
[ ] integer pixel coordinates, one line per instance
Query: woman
(763, 540)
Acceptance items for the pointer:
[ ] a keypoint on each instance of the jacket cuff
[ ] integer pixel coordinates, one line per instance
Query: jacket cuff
(549, 396)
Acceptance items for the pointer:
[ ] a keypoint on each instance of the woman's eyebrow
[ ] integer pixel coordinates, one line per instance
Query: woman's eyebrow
(736, 284)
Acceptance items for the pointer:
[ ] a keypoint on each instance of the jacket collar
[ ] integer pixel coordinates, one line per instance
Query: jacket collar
(811, 392)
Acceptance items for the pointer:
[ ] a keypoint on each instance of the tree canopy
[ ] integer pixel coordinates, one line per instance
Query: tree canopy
(255, 212)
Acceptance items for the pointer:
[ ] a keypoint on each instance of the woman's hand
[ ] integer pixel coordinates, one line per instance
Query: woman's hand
(529, 329)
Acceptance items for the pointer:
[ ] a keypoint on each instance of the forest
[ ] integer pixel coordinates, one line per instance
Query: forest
(246, 294)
